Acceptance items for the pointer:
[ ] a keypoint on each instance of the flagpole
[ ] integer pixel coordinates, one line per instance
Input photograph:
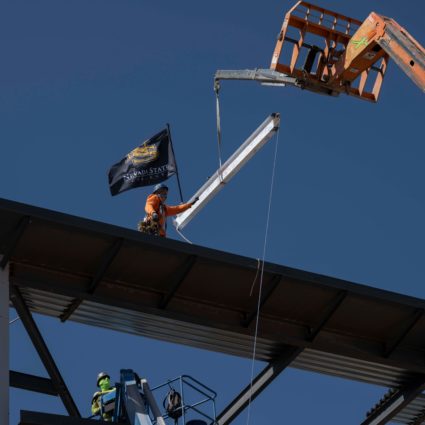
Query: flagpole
(175, 160)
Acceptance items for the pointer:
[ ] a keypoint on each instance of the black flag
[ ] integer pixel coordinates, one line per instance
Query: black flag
(150, 163)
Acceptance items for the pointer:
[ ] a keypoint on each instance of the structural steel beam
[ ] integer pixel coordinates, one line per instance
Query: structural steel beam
(394, 402)
(106, 261)
(38, 418)
(230, 168)
(32, 383)
(14, 240)
(4, 346)
(43, 351)
(177, 281)
(406, 328)
(264, 297)
(332, 308)
(264, 378)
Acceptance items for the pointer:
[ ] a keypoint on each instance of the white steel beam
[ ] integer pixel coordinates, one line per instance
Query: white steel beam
(4, 345)
(230, 168)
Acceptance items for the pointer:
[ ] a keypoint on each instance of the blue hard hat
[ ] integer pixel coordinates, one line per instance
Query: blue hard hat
(159, 187)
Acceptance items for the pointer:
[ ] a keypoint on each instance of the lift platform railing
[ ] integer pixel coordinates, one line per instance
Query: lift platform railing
(133, 402)
(311, 47)
(329, 53)
(197, 400)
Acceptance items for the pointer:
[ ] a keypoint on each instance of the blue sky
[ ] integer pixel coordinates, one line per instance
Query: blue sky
(82, 83)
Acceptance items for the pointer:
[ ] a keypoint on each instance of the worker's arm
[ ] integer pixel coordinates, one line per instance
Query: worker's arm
(176, 209)
(95, 405)
(152, 204)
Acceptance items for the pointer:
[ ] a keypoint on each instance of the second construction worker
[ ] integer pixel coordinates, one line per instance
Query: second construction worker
(157, 211)
(104, 384)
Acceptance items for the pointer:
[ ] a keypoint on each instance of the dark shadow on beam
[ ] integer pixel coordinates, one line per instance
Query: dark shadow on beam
(274, 283)
(259, 383)
(27, 382)
(42, 350)
(38, 418)
(178, 279)
(394, 401)
(405, 329)
(14, 239)
(105, 263)
(330, 310)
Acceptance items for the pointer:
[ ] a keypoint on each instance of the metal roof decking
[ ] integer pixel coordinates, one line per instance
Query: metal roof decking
(69, 267)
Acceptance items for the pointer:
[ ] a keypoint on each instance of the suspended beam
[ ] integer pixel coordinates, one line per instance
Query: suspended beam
(4, 346)
(394, 401)
(43, 351)
(230, 168)
(260, 382)
(27, 382)
(264, 76)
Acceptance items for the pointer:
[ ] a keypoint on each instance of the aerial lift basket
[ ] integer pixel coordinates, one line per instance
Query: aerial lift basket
(330, 53)
(311, 43)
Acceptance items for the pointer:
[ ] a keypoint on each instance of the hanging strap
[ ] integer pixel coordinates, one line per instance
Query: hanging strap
(217, 105)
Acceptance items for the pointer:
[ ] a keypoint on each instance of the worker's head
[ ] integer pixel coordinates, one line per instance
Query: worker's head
(103, 381)
(161, 190)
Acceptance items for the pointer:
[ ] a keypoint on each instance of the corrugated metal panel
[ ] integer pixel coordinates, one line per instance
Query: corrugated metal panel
(412, 411)
(222, 341)
(350, 368)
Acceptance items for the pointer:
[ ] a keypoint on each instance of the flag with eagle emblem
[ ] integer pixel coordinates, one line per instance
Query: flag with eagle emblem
(150, 163)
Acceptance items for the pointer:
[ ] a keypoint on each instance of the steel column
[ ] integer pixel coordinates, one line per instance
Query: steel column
(43, 351)
(4, 347)
(260, 382)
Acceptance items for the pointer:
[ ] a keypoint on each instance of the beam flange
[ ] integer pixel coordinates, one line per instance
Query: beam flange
(260, 382)
(44, 353)
(395, 401)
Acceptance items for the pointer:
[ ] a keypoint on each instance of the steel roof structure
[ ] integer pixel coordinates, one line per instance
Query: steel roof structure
(78, 269)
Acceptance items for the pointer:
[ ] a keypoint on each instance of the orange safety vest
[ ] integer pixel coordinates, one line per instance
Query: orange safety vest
(154, 204)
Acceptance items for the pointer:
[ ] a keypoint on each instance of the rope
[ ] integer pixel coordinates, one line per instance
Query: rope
(183, 236)
(217, 106)
(254, 351)
(255, 278)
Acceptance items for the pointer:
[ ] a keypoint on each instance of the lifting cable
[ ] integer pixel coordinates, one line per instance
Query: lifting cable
(217, 108)
(260, 264)
(257, 319)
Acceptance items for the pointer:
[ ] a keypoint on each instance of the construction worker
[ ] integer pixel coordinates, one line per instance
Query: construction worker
(157, 212)
(103, 382)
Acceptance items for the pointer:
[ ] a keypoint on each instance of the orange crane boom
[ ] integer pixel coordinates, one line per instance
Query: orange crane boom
(345, 55)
